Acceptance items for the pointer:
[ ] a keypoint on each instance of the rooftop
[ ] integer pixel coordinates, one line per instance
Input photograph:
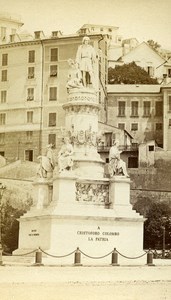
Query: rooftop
(14, 18)
(133, 88)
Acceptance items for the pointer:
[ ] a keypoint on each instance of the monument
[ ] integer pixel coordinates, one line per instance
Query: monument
(74, 204)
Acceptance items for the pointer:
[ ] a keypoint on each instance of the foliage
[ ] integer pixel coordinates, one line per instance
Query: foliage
(10, 226)
(153, 44)
(129, 74)
(158, 216)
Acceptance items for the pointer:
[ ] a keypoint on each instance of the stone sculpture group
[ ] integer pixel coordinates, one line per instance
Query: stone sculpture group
(78, 74)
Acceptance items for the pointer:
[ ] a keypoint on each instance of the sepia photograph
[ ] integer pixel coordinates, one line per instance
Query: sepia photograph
(85, 150)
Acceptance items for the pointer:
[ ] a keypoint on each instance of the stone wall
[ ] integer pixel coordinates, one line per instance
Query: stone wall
(151, 183)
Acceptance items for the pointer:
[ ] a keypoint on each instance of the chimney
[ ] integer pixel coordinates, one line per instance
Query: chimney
(56, 34)
(14, 38)
(38, 35)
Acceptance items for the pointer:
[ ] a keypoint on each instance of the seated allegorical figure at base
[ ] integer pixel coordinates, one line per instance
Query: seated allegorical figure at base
(74, 76)
(47, 163)
(116, 165)
(65, 160)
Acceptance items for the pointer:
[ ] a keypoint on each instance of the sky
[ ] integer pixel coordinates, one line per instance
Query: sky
(142, 19)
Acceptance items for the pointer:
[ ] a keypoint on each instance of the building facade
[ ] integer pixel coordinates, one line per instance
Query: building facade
(143, 110)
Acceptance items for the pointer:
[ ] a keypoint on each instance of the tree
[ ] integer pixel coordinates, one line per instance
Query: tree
(153, 45)
(10, 226)
(129, 74)
(158, 214)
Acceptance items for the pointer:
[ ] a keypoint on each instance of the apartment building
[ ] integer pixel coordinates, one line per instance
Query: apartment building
(143, 110)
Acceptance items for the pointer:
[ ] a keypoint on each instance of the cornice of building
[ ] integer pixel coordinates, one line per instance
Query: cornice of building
(50, 40)
(72, 37)
(20, 44)
(98, 26)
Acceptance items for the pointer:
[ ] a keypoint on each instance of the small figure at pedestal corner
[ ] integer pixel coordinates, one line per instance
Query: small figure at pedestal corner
(47, 163)
(74, 76)
(116, 165)
(65, 160)
(85, 59)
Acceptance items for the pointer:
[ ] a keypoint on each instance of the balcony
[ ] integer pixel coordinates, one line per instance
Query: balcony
(104, 148)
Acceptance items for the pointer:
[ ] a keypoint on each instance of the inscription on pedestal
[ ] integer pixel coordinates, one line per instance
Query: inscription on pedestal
(98, 236)
(34, 233)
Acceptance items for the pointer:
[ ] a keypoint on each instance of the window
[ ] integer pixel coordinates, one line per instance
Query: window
(3, 96)
(159, 126)
(29, 155)
(30, 72)
(3, 33)
(169, 122)
(159, 108)
(54, 54)
(53, 71)
(134, 108)
(134, 126)
(31, 58)
(150, 71)
(30, 117)
(121, 126)
(147, 106)
(52, 93)
(121, 109)
(29, 136)
(2, 119)
(2, 153)
(108, 139)
(4, 75)
(169, 72)
(133, 162)
(100, 97)
(105, 48)
(150, 148)
(100, 70)
(52, 119)
(169, 100)
(2, 138)
(4, 59)
(30, 94)
(52, 139)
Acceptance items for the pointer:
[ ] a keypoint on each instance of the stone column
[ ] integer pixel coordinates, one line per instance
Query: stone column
(81, 122)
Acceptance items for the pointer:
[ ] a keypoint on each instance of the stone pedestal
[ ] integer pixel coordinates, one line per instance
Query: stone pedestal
(42, 193)
(64, 190)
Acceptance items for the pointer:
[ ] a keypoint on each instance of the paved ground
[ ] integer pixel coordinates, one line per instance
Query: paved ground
(85, 283)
